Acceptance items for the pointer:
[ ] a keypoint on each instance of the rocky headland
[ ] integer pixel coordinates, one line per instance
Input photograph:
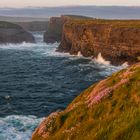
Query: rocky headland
(13, 33)
(55, 27)
(117, 40)
(108, 110)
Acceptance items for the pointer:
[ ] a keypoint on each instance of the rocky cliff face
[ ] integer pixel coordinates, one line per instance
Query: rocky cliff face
(12, 33)
(117, 41)
(55, 27)
(108, 110)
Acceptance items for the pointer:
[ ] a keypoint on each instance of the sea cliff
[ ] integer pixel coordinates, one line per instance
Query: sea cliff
(117, 40)
(13, 33)
(55, 27)
(108, 110)
(54, 30)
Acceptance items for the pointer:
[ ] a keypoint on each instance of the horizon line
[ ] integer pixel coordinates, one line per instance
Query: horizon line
(70, 6)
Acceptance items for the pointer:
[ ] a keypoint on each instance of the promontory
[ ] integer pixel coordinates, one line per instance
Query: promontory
(13, 33)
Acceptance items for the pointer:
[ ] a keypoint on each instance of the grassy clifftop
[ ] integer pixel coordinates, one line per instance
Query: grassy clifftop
(13, 33)
(108, 110)
(6, 25)
(115, 23)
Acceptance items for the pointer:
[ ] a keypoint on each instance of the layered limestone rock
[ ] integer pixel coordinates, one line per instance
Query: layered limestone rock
(108, 110)
(117, 41)
(12, 33)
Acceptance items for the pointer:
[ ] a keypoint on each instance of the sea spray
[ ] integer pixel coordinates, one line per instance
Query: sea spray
(125, 65)
(16, 127)
(101, 60)
(79, 54)
(106, 65)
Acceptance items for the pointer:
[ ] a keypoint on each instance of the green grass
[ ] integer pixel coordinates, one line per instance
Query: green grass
(114, 23)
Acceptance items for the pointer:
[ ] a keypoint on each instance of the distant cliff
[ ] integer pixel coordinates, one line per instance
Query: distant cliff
(55, 27)
(108, 110)
(117, 40)
(34, 25)
(12, 33)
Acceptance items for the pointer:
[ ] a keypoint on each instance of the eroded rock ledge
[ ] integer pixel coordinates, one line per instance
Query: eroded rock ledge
(117, 40)
(108, 110)
(12, 33)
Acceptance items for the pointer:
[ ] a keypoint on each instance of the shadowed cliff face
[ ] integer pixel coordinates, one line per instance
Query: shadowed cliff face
(12, 33)
(54, 30)
(117, 41)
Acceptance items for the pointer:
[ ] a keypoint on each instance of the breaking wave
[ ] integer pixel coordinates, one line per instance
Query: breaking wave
(101, 60)
(18, 127)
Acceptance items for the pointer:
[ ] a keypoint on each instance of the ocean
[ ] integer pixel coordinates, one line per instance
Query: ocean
(35, 80)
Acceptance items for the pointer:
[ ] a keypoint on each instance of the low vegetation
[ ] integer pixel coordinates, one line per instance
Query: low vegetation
(115, 23)
(6, 25)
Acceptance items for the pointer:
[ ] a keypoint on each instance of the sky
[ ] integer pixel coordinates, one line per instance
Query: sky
(52, 3)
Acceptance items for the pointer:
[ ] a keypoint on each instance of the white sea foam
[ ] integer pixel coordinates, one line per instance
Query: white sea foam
(101, 60)
(19, 46)
(109, 69)
(79, 54)
(18, 127)
(40, 48)
(125, 64)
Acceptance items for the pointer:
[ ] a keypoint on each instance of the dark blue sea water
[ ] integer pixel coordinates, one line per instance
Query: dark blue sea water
(35, 81)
